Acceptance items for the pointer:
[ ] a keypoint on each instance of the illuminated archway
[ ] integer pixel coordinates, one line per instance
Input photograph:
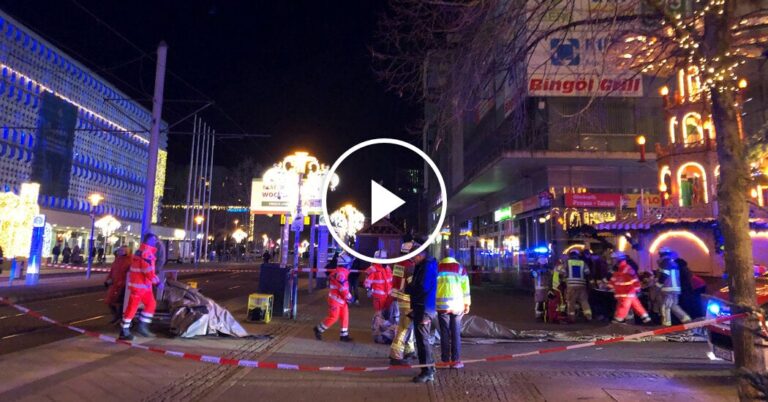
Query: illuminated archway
(693, 131)
(693, 190)
(679, 234)
(672, 129)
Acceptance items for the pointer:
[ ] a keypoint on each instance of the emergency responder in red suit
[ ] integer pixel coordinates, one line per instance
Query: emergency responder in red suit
(116, 283)
(378, 283)
(625, 286)
(141, 277)
(339, 298)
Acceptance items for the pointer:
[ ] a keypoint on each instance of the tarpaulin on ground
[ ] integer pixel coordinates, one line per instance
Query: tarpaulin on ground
(193, 314)
(480, 330)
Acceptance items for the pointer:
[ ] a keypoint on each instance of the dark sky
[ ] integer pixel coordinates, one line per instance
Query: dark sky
(297, 70)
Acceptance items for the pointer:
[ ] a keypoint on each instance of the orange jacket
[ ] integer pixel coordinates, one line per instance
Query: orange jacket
(338, 293)
(624, 282)
(142, 272)
(379, 280)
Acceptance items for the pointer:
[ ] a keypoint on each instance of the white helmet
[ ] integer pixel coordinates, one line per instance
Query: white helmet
(406, 247)
(380, 254)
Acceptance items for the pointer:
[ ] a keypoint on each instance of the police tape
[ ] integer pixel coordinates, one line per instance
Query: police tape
(305, 367)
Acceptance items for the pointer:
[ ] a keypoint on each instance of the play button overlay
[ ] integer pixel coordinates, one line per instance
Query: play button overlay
(383, 202)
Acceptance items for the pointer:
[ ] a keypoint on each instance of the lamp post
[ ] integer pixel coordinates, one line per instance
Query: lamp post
(348, 220)
(641, 145)
(94, 199)
(198, 221)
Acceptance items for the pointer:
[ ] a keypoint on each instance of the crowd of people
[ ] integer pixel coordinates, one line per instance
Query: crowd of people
(587, 285)
(407, 298)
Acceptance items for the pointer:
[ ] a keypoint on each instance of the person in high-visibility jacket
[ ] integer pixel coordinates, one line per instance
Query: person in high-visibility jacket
(452, 302)
(403, 346)
(141, 277)
(669, 281)
(378, 283)
(576, 271)
(625, 285)
(339, 298)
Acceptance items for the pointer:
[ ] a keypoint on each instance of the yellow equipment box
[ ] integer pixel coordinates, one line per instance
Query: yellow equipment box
(192, 284)
(259, 308)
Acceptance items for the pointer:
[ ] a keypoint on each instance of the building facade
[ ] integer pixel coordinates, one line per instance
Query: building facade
(70, 131)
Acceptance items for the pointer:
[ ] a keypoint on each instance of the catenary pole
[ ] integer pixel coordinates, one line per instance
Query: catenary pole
(210, 189)
(154, 138)
(189, 180)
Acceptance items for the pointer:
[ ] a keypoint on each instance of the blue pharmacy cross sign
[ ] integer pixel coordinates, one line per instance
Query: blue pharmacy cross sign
(36, 250)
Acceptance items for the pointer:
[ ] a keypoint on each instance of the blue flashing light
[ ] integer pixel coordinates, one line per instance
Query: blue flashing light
(541, 250)
(713, 308)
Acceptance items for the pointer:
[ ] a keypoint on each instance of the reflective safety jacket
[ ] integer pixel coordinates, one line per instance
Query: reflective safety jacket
(141, 275)
(379, 280)
(624, 282)
(670, 280)
(452, 287)
(576, 272)
(338, 293)
(402, 275)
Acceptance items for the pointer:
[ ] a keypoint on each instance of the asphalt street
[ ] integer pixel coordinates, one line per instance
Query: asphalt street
(19, 332)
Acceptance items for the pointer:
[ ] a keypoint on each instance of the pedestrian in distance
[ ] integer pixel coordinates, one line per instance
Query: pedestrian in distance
(339, 298)
(66, 254)
(354, 280)
(423, 292)
(141, 277)
(115, 283)
(100, 255)
(266, 256)
(453, 301)
(56, 252)
(77, 256)
(625, 285)
(402, 347)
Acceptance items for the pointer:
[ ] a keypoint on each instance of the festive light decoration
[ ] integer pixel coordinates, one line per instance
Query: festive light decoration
(16, 214)
(162, 162)
(703, 176)
(108, 225)
(228, 208)
(284, 176)
(348, 221)
(572, 247)
(239, 235)
(678, 234)
(179, 234)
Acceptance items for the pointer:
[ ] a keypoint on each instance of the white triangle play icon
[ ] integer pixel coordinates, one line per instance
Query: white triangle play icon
(382, 202)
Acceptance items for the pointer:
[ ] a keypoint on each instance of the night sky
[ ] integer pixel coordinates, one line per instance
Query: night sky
(299, 71)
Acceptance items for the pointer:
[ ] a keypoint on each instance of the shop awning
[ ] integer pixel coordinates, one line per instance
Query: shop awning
(648, 223)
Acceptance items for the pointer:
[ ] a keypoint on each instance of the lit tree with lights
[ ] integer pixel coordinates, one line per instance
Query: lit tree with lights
(475, 45)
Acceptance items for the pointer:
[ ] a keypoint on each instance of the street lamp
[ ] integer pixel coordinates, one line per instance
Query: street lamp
(199, 221)
(348, 221)
(94, 199)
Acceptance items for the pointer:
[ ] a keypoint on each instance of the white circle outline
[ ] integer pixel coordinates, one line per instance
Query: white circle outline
(443, 196)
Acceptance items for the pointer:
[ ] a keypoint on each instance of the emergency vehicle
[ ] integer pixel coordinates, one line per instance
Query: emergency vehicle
(719, 335)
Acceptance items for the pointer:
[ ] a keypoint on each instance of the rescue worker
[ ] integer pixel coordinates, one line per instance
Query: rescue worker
(452, 302)
(542, 281)
(402, 346)
(576, 272)
(339, 298)
(115, 283)
(669, 281)
(423, 291)
(625, 285)
(141, 277)
(378, 283)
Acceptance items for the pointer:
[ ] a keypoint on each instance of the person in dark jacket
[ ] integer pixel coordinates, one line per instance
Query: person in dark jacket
(66, 254)
(423, 290)
(56, 252)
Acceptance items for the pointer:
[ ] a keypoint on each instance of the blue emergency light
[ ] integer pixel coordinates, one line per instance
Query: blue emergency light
(713, 308)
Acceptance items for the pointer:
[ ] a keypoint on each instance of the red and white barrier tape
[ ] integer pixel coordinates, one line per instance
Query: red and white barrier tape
(304, 367)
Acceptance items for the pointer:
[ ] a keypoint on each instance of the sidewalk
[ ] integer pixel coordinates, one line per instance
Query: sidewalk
(85, 369)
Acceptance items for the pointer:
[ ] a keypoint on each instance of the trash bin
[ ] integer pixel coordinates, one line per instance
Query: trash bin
(259, 308)
(276, 281)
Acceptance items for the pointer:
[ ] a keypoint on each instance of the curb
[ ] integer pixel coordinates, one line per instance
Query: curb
(55, 294)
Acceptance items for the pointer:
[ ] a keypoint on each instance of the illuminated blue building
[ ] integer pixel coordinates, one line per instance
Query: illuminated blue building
(69, 130)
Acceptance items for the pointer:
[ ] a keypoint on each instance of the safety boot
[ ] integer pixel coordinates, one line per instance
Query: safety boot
(143, 330)
(426, 375)
(346, 338)
(125, 334)
(318, 333)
